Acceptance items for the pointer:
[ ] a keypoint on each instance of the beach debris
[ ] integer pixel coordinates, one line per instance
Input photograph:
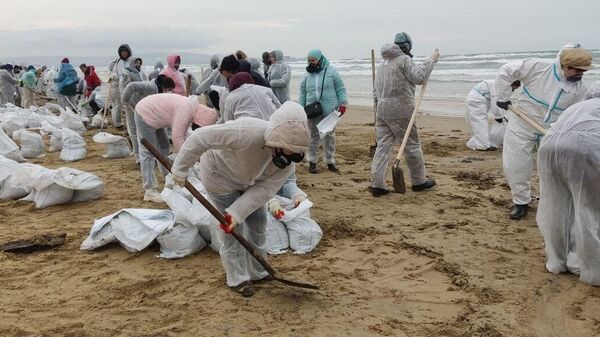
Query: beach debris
(37, 243)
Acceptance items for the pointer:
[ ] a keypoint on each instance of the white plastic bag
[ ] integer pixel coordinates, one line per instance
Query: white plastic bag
(73, 148)
(180, 241)
(85, 186)
(56, 187)
(328, 124)
(97, 121)
(193, 213)
(304, 233)
(73, 121)
(10, 186)
(9, 149)
(278, 241)
(55, 136)
(497, 134)
(116, 146)
(135, 229)
(32, 145)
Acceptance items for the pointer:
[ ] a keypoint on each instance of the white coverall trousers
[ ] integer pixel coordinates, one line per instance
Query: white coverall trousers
(390, 132)
(518, 154)
(240, 265)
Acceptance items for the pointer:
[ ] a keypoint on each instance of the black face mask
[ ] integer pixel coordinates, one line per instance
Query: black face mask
(314, 68)
(574, 78)
(282, 160)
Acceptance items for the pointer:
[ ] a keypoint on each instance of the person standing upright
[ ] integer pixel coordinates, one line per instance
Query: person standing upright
(395, 85)
(322, 83)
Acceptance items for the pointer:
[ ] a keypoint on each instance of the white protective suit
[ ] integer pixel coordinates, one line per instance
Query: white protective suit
(546, 94)
(279, 77)
(130, 75)
(7, 87)
(117, 68)
(395, 91)
(255, 101)
(569, 209)
(237, 171)
(479, 104)
(135, 91)
(215, 78)
(158, 67)
(249, 100)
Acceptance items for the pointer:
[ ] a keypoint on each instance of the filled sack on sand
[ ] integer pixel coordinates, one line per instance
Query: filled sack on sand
(192, 212)
(278, 241)
(73, 121)
(97, 121)
(10, 186)
(9, 149)
(73, 146)
(180, 241)
(304, 233)
(60, 186)
(55, 136)
(116, 146)
(134, 229)
(32, 145)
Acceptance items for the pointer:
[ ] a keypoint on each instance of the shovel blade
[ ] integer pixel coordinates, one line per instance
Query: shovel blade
(296, 283)
(398, 178)
(372, 150)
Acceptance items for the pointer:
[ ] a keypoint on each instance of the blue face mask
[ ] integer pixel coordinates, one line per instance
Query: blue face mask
(574, 78)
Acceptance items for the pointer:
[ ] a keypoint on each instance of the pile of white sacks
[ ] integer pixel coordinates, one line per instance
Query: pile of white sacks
(27, 127)
(188, 227)
(46, 187)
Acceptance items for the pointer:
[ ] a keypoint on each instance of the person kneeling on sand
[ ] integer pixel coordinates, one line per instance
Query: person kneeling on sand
(569, 209)
(479, 104)
(395, 92)
(155, 113)
(243, 163)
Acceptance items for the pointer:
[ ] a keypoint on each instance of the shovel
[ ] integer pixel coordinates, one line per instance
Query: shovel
(188, 85)
(106, 103)
(373, 148)
(527, 119)
(249, 247)
(397, 174)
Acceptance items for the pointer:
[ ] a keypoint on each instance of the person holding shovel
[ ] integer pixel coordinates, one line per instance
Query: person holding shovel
(549, 87)
(243, 163)
(395, 85)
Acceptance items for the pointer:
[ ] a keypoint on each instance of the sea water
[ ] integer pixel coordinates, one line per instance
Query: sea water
(451, 80)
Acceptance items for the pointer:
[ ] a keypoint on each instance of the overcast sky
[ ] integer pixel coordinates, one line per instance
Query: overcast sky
(342, 29)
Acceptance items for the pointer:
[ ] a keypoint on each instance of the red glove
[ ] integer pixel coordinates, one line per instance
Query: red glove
(230, 225)
(342, 109)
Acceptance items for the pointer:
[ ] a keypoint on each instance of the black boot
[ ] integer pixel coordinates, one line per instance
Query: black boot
(519, 212)
(377, 192)
(429, 183)
(333, 168)
(312, 168)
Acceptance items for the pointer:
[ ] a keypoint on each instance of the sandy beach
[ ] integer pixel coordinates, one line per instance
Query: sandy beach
(447, 262)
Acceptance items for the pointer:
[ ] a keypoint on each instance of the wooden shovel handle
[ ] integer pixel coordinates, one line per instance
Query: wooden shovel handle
(527, 119)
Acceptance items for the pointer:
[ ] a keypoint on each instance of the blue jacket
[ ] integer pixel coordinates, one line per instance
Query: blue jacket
(334, 93)
(66, 76)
